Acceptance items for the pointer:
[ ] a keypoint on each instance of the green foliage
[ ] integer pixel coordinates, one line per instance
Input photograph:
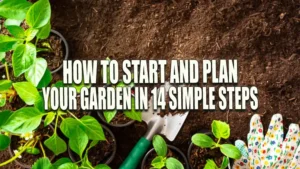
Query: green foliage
(42, 163)
(160, 146)
(39, 14)
(23, 120)
(46, 79)
(14, 9)
(5, 85)
(33, 150)
(78, 141)
(220, 130)
(161, 160)
(7, 43)
(4, 142)
(203, 141)
(27, 92)
(56, 144)
(133, 114)
(23, 58)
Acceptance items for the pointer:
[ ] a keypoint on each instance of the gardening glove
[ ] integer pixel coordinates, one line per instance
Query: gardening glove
(269, 151)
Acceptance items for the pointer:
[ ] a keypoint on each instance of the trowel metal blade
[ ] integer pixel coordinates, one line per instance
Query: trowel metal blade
(169, 125)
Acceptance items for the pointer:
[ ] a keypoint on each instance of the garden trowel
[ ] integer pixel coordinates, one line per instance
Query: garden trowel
(169, 125)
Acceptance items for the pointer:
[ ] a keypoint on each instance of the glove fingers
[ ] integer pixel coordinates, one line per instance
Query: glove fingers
(255, 138)
(270, 149)
(295, 163)
(243, 162)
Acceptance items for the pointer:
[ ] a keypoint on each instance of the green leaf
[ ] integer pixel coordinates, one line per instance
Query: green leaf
(4, 115)
(4, 142)
(109, 115)
(42, 163)
(7, 43)
(225, 162)
(14, 9)
(33, 150)
(92, 128)
(27, 92)
(44, 31)
(102, 166)
(210, 164)
(23, 120)
(12, 22)
(173, 163)
(16, 31)
(160, 146)
(230, 151)
(158, 162)
(68, 166)
(23, 58)
(133, 114)
(39, 103)
(36, 72)
(78, 141)
(60, 162)
(220, 129)
(68, 125)
(2, 56)
(39, 14)
(49, 118)
(58, 84)
(30, 34)
(203, 140)
(56, 144)
(2, 100)
(46, 79)
(5, 85)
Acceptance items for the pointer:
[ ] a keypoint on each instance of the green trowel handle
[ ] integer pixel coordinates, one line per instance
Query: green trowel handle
(136, 154)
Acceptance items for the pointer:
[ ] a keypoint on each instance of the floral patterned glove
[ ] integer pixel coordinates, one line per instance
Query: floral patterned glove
(270, 151)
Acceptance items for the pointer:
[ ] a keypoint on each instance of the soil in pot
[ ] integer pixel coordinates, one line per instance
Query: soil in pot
(199, 156)
(171, 153)
(29, 159)
(101, 152)
(55, 56)
(119, 119)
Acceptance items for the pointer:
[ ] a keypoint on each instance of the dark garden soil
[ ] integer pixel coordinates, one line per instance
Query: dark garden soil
(29, 159)
(170, 153)
(55, 56)
(120, 118)
(262, 35)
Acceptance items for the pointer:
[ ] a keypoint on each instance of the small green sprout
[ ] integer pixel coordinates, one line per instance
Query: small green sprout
(220, 130)
(161, 160)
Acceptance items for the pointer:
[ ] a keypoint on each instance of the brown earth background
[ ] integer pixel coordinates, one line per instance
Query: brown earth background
(262, 34)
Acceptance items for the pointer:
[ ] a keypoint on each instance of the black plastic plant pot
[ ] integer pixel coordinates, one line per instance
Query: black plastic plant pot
(192, 147)
(65, 48)
(101, 116)
(75, 158)
(25, 165)
(175, 150)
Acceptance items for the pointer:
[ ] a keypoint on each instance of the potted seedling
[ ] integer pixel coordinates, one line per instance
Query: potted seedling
(32, 39)
(212, 153)
(98, 152)
(164, 156)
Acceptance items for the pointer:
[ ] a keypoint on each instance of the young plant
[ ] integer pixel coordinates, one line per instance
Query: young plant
(161, 160)
(220, 130)
(131, 114)
(24, 58)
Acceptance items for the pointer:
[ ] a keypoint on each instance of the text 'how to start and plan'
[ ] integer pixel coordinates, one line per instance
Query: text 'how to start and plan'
(184, 93)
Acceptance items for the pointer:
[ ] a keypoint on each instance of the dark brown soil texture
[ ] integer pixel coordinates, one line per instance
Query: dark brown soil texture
(30, 159)
(120, 118)
(200, 155)
(55, 56)
(262, 35)
(170, 153)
